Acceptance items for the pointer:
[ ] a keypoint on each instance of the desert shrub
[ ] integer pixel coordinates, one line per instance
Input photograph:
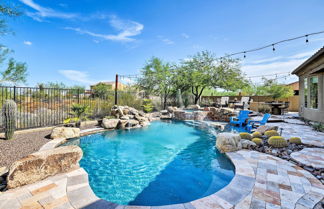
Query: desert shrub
(277, 141)
(256, 135)
(257, 141)
(318, 127)
(147, 105)
(245, 135)
(295, 140)
(129, 99)
(271, 133)
(101, 108)
(80, 111)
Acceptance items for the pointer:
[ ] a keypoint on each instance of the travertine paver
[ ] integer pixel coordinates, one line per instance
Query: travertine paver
(310, 156)
(260, 181)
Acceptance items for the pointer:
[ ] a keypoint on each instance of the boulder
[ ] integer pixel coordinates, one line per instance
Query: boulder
(123, 124)
(125, 117)
(117, 111)
(247, 144)
(109, 123)
(3, 171)
(140, 118)
(65, 132)
(228, 142)
(193, 107)
(200, 115)
(132, 123)
(263, 129)
(171, 109)
(144, 123)
(40, 165)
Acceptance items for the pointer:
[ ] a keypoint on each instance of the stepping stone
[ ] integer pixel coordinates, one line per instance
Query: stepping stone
(310, 156)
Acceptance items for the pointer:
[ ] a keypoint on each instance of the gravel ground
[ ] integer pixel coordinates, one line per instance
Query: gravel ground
(24, 144)
(21, 145)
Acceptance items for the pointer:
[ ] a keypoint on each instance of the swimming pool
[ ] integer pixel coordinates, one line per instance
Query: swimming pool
(164, 163)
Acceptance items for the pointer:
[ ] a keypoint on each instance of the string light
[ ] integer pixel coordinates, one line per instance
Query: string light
(244, 55)
(273, 48)
(272, 45)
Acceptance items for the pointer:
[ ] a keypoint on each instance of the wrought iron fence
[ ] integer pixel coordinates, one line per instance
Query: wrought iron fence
(40, 107)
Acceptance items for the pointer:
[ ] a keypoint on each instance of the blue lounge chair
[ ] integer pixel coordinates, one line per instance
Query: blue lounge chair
(262, 122)
(241, 118)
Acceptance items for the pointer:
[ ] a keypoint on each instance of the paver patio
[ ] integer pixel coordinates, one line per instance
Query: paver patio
(261, 181)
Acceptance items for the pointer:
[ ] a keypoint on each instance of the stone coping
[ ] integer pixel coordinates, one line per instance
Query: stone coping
(260, 181)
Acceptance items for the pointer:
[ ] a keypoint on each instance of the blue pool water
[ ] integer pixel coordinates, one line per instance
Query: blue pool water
(164, 163)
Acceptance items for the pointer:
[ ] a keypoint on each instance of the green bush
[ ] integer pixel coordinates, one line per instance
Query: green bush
(257, 141)
(147, 105)
(245, 135)
(295, 140)
(277, 141)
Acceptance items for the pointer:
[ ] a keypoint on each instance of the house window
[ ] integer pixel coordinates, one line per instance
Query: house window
(305, 91)
(314, 92)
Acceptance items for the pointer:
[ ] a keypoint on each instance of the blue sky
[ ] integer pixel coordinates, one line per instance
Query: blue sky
(85, 41)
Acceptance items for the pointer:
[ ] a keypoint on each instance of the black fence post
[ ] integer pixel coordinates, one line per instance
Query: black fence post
(78, 96)
(116, 90)
(14, 96)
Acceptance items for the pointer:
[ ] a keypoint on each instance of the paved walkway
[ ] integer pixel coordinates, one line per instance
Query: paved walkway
(310, 156)
(261, 182)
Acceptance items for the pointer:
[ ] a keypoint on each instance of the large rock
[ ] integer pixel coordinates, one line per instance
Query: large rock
(247, 144)
(117, 111)
(109, 123)
(228, 142)
(123, 124)
(193, 107)
(263, 129)
(200, 115)
(65, 132)
(40, 165)
(171, 109)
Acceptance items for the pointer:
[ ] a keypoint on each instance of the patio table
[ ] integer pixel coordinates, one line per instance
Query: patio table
(275, 110)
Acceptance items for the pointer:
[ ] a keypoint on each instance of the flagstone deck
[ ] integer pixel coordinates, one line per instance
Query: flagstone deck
(261, 181)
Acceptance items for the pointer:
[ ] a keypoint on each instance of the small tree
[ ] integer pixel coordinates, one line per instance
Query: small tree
(276, 90)
(157, 78)
(101, 90)
(203, 70)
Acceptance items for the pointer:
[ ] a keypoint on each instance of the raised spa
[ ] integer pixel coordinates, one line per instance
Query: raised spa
(164, 163)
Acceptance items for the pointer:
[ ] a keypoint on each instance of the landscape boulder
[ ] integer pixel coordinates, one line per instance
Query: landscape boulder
(193, 107)
(200, 115)
(228, 142)
(109, 123)
(263, 129)
(40, 165)
(65, 132)
(247, 144)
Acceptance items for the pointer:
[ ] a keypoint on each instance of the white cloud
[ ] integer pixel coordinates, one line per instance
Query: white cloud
(265, 60)
(28, 43)
(75, 75)
(184, 35)
(273, 67)
(43, 12)
(167, 41)
(126, 28)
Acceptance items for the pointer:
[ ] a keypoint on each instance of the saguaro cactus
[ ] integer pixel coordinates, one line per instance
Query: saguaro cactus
(9, 111)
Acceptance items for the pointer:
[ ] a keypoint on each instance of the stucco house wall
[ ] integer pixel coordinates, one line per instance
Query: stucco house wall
(314, 66)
